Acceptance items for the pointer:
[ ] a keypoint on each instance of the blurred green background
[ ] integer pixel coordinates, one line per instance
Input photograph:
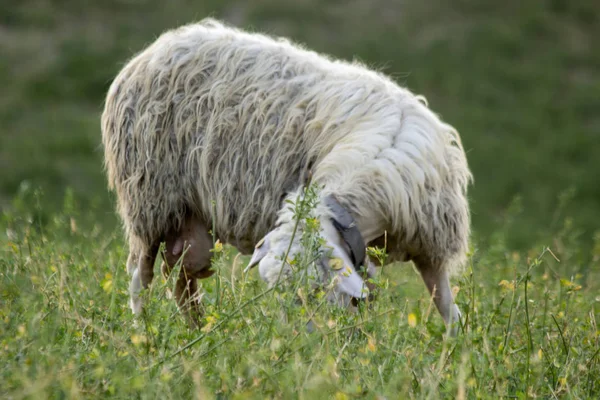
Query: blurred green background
(519, 79)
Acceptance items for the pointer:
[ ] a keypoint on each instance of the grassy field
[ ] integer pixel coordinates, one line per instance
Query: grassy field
(519, 80)
(530, 327)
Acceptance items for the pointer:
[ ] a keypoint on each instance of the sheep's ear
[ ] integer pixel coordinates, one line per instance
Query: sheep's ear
(260, 251)
(346, 226)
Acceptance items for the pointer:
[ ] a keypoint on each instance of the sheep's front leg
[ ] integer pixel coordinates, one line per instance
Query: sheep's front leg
(438, 283)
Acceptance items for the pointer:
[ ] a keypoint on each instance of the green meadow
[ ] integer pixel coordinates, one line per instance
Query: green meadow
(519, 80)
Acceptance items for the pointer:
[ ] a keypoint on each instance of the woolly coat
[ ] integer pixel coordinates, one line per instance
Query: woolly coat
(225, 123)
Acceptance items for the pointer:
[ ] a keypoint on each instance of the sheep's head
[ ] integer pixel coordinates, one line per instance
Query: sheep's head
(340, 254)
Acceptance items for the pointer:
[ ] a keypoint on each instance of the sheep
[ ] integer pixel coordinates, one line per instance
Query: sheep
(211, 126)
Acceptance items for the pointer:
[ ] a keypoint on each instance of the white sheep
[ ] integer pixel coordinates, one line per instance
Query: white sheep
(211, 124)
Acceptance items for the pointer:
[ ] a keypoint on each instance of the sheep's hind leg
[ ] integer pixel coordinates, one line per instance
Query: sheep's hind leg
(438, 283)
(141, 276)
(186, 295)
(135, 285)
(194, 243)
(186, 291)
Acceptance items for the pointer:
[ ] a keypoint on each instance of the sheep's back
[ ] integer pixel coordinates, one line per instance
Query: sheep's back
(202, 122)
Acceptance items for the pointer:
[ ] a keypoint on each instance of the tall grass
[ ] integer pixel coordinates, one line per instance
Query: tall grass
(529, 330)
(519, 80)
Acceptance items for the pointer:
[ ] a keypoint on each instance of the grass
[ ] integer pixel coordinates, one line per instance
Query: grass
(518, 80)
(530, 325)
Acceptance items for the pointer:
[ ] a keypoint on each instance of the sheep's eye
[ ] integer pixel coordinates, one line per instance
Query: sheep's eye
(336, 263)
